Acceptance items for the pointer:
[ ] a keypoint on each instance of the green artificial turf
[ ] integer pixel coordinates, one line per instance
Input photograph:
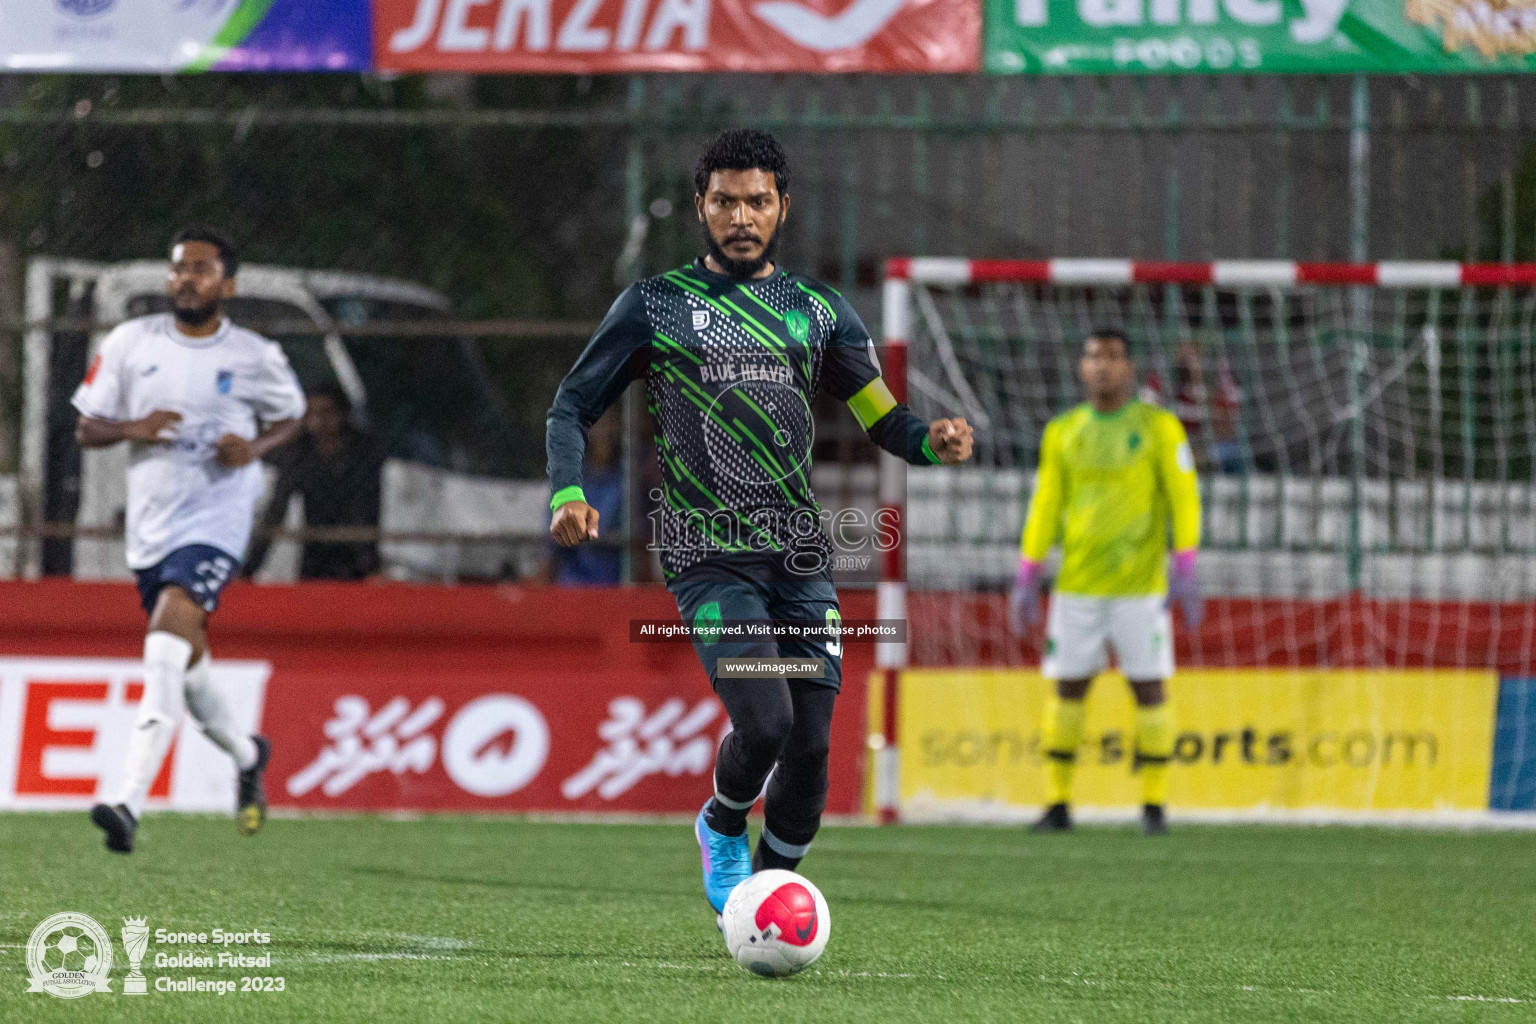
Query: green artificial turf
(456, 919)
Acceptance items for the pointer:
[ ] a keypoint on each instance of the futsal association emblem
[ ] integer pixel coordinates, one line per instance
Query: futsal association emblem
(799, 325)
(224, 381)
(69, 955)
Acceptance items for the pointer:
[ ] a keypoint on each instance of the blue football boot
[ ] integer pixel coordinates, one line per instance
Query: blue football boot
(727, 861)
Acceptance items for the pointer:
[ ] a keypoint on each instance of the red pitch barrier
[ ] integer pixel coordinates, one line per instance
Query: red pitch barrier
(394, 697)
(1355, 631)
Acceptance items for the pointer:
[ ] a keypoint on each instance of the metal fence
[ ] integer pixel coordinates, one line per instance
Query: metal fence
(1192, 167)
(537, 198)
(1186, 168)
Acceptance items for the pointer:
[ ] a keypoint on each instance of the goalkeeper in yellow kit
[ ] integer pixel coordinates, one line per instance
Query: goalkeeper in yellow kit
(1117, 489)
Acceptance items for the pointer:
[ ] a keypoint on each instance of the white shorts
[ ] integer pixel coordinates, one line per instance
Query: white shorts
(1078, 631)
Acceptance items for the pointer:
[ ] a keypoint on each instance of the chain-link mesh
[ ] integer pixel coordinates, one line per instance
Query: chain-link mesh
(1359, 444)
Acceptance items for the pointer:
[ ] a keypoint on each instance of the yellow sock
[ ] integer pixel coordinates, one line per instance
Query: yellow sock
(1154, 746)
(1060, 735)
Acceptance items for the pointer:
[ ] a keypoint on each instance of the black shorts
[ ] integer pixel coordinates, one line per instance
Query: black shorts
(200, 569)
(701, 601)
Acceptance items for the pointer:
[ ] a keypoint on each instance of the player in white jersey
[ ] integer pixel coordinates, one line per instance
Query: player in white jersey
(199, 402)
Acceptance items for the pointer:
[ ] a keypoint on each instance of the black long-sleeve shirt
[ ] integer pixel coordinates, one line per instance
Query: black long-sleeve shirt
(340, 490)
(731, 368)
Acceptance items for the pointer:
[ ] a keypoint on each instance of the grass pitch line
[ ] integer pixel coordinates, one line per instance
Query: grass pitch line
(725, 968)
(711, 968)
(338, 958)
(431, 941)
(1487, 999)
(420, 947)
(1287, 988)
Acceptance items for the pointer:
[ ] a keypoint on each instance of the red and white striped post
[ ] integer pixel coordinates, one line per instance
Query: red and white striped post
(891, 591)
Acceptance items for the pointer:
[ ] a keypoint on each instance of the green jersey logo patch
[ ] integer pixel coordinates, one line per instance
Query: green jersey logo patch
(1135, 441)
(799, 325)
(706, 624)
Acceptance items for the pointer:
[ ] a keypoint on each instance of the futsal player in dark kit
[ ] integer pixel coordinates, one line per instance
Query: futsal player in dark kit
(732, 349)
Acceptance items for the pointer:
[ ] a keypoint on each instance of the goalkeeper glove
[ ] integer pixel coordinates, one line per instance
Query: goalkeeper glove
(1024, 601)
(1184, 588)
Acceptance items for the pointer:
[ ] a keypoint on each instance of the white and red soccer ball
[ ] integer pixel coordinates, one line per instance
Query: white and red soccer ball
(776, 923)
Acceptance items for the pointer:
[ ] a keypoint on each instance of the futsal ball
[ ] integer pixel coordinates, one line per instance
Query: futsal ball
(776, 923)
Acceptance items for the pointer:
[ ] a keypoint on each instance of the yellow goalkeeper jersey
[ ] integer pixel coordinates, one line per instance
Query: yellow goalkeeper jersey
(1109, 488)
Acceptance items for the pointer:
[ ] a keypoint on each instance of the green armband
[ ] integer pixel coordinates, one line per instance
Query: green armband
(872, 402)
(566, 494)
(928, 451)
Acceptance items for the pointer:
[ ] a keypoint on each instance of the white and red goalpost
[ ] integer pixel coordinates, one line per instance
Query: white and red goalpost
(1366, 435)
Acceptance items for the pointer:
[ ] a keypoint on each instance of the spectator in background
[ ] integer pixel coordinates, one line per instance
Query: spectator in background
(338, 469)
(1226, 449)
(602, 481)
(1209, 420)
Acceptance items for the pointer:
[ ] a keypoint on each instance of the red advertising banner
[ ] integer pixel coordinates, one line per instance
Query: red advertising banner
(64, 725)
(594, 36)
(492, 741)
(384, 698)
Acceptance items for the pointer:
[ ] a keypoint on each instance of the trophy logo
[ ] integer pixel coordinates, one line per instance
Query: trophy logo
(135, 940)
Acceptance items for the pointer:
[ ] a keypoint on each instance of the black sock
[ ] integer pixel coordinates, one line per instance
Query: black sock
(766, 857)
(797, 793)
(727, 821)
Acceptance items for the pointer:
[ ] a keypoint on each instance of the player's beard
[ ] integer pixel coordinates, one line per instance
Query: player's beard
(1113, 393)
(743, 270)
(195, 316)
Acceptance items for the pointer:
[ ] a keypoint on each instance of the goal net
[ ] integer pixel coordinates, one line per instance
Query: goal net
(1366, 440)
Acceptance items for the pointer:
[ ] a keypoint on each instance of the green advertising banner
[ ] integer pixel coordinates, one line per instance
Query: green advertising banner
(1244, 36)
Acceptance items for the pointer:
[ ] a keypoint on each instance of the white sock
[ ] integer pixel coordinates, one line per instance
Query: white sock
(212, 713)
(165, 668)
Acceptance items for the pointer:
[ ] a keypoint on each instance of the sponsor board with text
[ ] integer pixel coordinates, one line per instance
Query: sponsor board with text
(64, 725)
(1247, 740)
(454, 740)
(1249, 36)
(184, 35)
(480, 741)
(588, 36)
(384, 698)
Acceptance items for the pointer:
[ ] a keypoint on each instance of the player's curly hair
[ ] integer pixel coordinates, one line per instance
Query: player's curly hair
(742, 149)
(229, 257)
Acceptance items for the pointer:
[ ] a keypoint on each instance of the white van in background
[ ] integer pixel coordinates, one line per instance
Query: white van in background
(453, 454)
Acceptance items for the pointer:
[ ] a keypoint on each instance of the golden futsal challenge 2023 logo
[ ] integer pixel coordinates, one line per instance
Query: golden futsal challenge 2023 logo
(69, 955)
